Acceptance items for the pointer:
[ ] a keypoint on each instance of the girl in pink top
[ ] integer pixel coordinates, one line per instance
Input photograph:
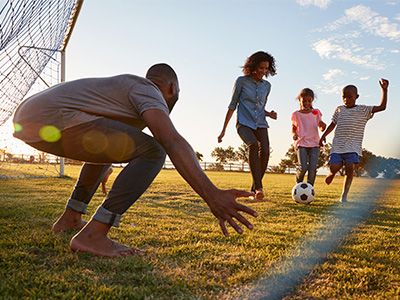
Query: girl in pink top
(305, 124)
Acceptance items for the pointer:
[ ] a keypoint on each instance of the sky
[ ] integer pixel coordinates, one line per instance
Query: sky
(320, 44)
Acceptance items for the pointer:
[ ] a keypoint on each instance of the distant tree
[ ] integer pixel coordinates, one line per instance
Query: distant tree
(215, 167)
(242, 153)
(277, 169)
(199, 156)
(324, 155)
(224, 155)
(392, 168)
(374, 165)
(9, 157)
(366, 157)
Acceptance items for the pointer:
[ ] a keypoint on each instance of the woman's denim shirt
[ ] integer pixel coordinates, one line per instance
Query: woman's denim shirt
(251, 97)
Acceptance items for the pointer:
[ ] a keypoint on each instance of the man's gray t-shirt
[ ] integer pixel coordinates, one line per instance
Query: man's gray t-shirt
(123, 98)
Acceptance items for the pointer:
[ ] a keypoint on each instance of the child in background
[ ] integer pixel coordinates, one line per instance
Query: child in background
(105, 179)
(350, 120)
(305, 124)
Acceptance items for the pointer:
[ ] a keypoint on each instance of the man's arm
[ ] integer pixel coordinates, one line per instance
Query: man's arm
(384, 86)
(221, 202)
(327, 131)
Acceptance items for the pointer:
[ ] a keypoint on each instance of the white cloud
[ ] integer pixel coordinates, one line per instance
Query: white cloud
(351, 41)
(333, 80)
(364, 78)
(368, 20)
(330, 88)
(332, 50)
(335, 25)
(332, 73)
(371, 22)
(319, 3)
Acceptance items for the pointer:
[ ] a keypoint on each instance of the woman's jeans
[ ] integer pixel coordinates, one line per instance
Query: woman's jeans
(258, 142)
(99, 144)
(308, 160)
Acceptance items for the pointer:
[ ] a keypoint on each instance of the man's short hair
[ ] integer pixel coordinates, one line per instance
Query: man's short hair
(161, 71)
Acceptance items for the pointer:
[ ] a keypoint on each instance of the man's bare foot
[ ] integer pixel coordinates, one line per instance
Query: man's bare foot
(329, 178)
(343, 199)
(69, 220)
(61, 226)
(101, 246)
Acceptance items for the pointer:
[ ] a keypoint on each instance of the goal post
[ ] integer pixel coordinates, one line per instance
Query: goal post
(33, 39)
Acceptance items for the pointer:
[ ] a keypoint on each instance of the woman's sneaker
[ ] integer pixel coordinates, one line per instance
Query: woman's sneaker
(259, 195)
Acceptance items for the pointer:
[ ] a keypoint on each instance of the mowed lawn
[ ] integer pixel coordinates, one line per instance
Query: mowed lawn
(187, 257)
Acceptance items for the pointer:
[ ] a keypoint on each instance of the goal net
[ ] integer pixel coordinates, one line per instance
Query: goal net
(33, 38)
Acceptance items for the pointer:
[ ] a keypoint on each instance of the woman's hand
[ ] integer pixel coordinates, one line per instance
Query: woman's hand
(273, 115)
(221, 136)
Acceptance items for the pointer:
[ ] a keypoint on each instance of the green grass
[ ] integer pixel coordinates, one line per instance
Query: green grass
(187, 257)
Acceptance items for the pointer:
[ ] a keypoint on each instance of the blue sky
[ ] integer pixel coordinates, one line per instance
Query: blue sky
(323, 45)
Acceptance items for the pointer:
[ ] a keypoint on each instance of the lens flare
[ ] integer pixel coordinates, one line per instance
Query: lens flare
(123, 147)
(17, 127)
(50, 133)
(94, 141)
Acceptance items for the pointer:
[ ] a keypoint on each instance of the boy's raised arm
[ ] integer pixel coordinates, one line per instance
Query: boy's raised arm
(384, 83)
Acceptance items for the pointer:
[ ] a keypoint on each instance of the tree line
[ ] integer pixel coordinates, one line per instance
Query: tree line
(370, 164)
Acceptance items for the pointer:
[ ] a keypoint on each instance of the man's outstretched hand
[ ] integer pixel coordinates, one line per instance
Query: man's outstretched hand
(226, 209)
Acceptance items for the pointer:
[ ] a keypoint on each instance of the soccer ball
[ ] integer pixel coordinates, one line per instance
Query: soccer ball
(303, 193)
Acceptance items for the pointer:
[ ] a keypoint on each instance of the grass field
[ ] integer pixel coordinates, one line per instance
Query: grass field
(187, 257)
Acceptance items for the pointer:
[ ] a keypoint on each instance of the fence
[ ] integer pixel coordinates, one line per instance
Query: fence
(42, 158)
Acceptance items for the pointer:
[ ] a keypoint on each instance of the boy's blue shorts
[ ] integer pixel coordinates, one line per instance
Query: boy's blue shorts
(340, 158)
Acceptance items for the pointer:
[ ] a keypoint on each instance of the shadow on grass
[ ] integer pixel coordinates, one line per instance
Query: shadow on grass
(41, 265)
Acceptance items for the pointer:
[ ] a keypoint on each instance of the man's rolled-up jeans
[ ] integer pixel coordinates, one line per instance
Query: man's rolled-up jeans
(100, 143)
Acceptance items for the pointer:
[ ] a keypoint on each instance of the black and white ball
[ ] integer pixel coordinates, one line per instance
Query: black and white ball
(303, 193)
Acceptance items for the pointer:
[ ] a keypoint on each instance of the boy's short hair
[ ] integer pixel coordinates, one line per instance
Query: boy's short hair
(350, 86)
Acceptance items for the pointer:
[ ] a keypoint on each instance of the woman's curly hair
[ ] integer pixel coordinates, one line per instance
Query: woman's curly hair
(255, 59)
